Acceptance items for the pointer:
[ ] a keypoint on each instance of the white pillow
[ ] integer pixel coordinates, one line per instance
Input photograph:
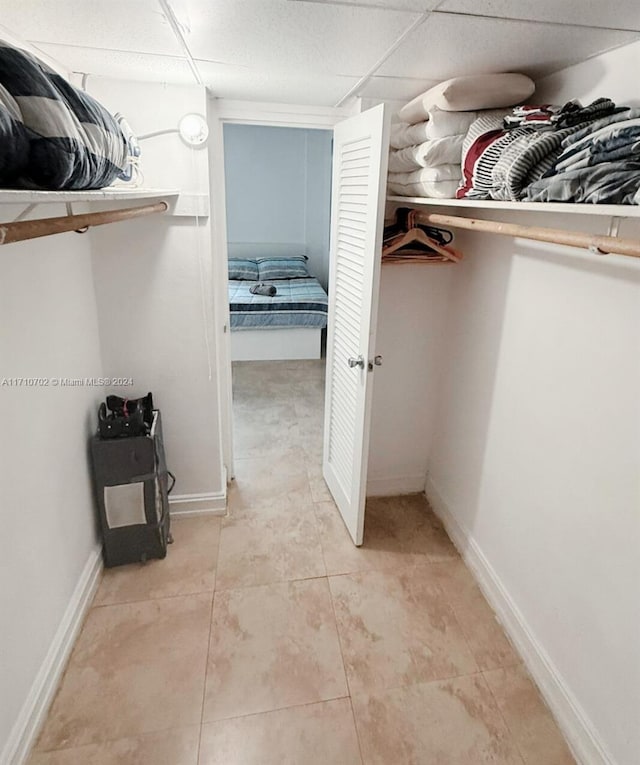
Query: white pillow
(443, 151)
(442, 124)
(461, 94)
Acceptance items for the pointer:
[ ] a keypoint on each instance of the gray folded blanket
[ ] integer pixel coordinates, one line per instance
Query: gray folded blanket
(262, 288)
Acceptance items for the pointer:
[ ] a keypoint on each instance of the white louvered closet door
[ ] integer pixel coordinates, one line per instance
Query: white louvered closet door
(360, 157)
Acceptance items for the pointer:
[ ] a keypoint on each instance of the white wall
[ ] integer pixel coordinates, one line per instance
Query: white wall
(278, 186)
(48, 328)
(154, 292)
(129, 299)
(535, 463)
(412, 309)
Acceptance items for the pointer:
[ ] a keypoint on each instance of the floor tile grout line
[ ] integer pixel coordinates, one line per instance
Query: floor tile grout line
(435, 681)
(206, 668)
(357, 730)
(344, 668)
(107, 741)
(154, 599)
(206, 664)
(512, 736)
(275, 709)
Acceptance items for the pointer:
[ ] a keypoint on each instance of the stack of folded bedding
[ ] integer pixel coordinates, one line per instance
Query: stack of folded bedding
(564, 153)
(425, 158)
(426, 147)
(598, 164)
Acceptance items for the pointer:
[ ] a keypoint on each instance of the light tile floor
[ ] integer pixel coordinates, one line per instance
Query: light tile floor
(267, 638)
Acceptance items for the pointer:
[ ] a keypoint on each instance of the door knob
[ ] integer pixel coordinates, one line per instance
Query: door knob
(359, 362)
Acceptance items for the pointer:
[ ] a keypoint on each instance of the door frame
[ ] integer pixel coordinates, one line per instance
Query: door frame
(219, 113)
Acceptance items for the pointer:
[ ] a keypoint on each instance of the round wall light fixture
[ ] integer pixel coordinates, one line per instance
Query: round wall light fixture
(193, 129)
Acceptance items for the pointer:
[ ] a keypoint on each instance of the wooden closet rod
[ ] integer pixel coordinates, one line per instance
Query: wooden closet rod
(32, 229)
(602, 245)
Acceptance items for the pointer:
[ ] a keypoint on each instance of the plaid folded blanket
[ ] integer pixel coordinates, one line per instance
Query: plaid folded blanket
(52, 135)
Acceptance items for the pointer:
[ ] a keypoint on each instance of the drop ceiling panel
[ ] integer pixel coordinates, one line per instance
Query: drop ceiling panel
(615, 14)
(127, 25)
(395, 88)
(389, 5)
(121, 65)
(447, 46)
(255, 85)
(283, 36)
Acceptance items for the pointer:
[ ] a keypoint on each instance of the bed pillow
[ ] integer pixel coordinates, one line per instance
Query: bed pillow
(243, 269)
(294, 267)
(462, 94)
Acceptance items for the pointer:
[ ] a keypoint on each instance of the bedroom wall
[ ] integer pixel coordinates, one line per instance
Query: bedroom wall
(535, 462)
(50, 557)
(155, 294)
(278, 188)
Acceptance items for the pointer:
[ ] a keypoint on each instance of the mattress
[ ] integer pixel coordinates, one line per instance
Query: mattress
(297, 303)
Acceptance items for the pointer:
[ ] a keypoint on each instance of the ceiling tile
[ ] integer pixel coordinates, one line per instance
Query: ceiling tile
(118, 24)
(283, 37)
(447, 46)
(619, 14)
(390, 5)
(395, 88)
(256, 85)
(122, 65)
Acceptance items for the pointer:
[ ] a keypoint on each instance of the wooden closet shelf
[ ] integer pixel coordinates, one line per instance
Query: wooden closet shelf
(25, 196)
(610, 211)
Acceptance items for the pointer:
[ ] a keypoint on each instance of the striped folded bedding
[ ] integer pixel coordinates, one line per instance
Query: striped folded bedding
(54, 136)
(501, 162)
(297, 303)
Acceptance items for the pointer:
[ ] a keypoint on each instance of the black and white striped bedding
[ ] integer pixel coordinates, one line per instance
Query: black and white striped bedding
(52, 135)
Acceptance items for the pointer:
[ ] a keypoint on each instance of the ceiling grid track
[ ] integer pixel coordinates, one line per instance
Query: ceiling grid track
(353, 92)
(173, 22)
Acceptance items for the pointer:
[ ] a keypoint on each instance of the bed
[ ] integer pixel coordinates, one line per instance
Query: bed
(287, 325)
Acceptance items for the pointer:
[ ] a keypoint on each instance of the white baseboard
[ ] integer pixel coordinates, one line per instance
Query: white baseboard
(191, 505)
(395, 486)
(580, 733)
(44, 687)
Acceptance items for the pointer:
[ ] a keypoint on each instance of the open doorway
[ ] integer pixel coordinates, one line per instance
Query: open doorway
(278, 200)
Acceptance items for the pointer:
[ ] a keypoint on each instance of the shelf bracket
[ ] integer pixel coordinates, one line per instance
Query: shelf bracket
(613, 230)
(25, 212)
(614, 225)
(83, 230)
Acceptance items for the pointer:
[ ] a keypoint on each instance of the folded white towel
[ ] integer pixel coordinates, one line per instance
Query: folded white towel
(434, 189)
(403, 135)
(442, 151)
(441, 182)
(439, 173)
(438, 124)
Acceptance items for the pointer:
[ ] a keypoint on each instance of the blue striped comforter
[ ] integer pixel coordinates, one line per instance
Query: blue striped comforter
(298, 303)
